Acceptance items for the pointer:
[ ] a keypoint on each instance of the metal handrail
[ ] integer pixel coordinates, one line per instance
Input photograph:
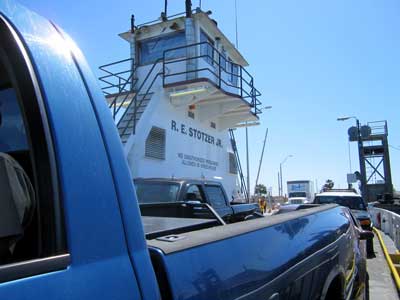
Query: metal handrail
(122, 81)
(245, 86)
(124, 85)
(378, 127)
(135, 98)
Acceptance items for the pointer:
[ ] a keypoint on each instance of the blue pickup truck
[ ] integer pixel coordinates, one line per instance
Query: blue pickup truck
(70, 224)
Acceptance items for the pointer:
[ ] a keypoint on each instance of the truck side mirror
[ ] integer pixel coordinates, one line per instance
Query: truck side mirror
(366, 235)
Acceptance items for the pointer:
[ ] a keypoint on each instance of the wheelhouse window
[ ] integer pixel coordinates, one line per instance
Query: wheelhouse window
(224, 60)
(206, 47)
(233, 69)
(150, 50)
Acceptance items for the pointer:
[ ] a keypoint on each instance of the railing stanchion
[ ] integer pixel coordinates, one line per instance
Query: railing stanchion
(219, 69)
(134, 115)
(241, 82)
(163, 69)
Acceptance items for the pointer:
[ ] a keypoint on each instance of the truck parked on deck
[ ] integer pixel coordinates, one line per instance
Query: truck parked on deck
(300, 191)
(70, 223)
(154, 191)
(351, 199)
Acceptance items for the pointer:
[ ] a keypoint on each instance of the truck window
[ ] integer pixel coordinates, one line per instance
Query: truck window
(297, 194)
(12, 129)
(30, 232)
(156, 192)
(348, 201)
(215, 195)
(193, 193)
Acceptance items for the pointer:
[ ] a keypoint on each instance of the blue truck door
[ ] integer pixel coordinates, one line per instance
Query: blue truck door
(73, 245)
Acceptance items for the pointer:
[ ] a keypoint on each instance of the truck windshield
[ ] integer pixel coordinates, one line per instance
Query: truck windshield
(297, 194)
(350, 202)
(155, 192)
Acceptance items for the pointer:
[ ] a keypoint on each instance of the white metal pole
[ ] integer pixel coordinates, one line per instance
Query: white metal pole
(248, 165)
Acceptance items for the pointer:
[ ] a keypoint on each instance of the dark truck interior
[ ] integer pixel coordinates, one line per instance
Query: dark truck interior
(29, 227)
(18, 200)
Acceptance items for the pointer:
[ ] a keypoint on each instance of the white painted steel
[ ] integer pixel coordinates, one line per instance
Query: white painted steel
(388, 222)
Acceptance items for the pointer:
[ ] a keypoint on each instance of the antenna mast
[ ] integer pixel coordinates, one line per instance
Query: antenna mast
(236, 26)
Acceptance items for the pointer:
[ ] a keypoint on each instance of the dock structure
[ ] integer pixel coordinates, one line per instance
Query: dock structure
(381, 283)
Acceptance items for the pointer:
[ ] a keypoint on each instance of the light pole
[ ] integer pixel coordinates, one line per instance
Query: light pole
(280, 172)
(360, 146)
(247, 157)
(262, 152)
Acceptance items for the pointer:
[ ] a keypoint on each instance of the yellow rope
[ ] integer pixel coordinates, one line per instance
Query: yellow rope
(388, 259)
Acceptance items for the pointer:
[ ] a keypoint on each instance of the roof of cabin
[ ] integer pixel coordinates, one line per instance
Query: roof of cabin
(207, 23)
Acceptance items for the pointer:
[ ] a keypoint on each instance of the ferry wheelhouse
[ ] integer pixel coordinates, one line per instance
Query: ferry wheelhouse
(178, 97)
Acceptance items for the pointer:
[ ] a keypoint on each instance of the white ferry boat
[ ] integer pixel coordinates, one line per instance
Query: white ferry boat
(178, 97)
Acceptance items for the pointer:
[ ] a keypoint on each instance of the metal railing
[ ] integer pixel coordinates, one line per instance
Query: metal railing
(378, 127)
(388, 222)
(216, 68)
(115, 80)
(121, 86)
(118, 84)
(139, 97)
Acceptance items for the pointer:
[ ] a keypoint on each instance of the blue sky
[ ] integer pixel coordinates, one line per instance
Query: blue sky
(312, 60)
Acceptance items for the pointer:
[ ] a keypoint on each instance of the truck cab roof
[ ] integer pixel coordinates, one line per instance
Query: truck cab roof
(339, 194)
(177, 180)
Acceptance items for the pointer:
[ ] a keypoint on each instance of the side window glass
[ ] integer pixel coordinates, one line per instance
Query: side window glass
(152, 49)
(215, 195)
(193, 194)
(12, 129)
(31, 230)
(18, 197)
(206, 48)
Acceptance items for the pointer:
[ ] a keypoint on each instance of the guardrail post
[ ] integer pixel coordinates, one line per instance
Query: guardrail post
(134, 115)
(163, 69)
(219, 69)
(241, 82)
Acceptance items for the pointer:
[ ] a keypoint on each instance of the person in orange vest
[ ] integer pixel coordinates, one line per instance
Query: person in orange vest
(262, 203)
